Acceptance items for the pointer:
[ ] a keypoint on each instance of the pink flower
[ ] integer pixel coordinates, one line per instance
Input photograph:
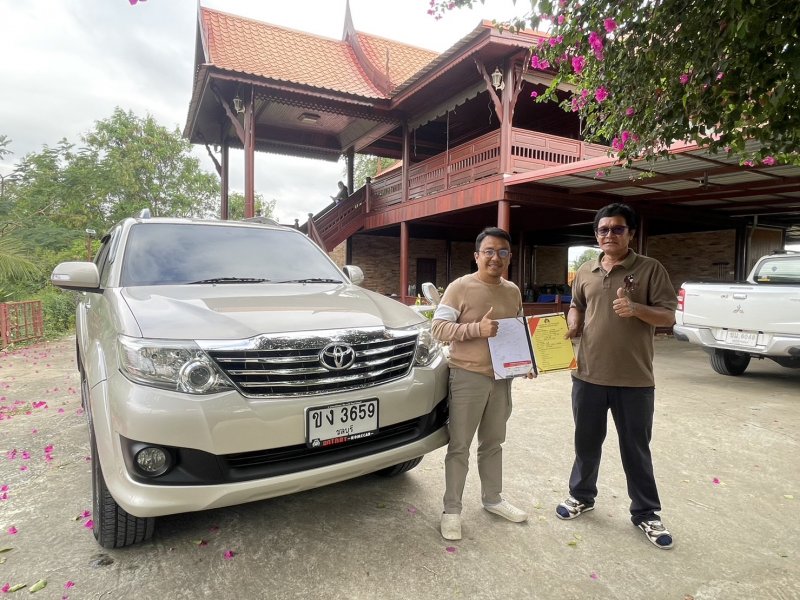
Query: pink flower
(610, 25)
(596, 43)
(578, 63)
(749, 163)
(594, 575)
(599, 174)
(451, 549)
(555, 41)
(561, 19)
(626, 135)
(89, 524)
(69, 584)
(3, 488)
(715, 481)
(86, 514)
(12, 530)
(630, 111)
(684, 78)
(617, 144)
(26, 455)
(5, 588)
(60, 411)
(538, 63)
(720, 75)
(769, 160)
(601, 94)
(534, 94)
(229, 554)
(48, 449)
(23, 468)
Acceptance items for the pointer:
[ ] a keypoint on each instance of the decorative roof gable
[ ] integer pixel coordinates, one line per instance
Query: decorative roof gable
(356, 65)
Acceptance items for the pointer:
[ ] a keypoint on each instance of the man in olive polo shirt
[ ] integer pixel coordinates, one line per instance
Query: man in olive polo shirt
(617, 302)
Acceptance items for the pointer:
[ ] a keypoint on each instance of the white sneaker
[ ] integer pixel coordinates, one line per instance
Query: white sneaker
(507, 511)
(451, 526)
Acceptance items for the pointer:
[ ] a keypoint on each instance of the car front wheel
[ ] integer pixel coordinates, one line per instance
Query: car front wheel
(113, 526)
(400, 468)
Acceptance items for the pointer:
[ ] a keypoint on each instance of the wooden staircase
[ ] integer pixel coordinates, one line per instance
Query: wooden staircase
(336, 223)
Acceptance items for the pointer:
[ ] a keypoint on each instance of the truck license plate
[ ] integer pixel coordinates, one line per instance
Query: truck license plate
(741, 338)
(339, 423)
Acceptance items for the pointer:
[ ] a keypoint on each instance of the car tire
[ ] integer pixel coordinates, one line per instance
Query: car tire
(729, 362)
(113, 526)
(401, 468)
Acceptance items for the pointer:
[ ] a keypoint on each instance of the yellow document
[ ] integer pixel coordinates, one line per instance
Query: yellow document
(551, 350)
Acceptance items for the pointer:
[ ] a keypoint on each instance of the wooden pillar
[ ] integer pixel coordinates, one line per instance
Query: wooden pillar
(224, 180)
(350, 162)
(406, 161)
(641, 236)
(249, 156)
(504, 215)
(506, 118)
(403, 260)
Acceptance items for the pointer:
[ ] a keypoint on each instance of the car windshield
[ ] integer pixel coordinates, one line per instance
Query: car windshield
(169, 253)
(779, 270)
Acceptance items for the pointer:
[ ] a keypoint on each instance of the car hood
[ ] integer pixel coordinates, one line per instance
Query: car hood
(236, 311)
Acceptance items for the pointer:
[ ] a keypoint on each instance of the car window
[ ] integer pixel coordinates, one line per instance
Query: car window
(166, 253)
(102, 259)
(779, 270)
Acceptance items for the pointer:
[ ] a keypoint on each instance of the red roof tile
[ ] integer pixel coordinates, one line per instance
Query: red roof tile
(243, 45)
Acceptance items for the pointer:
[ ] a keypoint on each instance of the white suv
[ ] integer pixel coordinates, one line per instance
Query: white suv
(226, 362)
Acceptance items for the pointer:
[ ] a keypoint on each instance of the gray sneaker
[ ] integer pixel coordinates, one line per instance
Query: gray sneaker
(507, 511)
(655, 531)
(451, 526)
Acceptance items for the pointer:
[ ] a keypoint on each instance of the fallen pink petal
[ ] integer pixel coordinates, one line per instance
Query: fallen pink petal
(12, 530)
(23, 468)
(412, 510)
(715, 481)
(594, 575)
(229, 554)
(451, 549)
(5, 588)
(69, 584)
(86, 514)
(89, 524)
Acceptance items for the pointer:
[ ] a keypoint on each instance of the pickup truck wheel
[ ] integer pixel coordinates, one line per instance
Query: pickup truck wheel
(728, 362)
(400, 468)
(113, 526)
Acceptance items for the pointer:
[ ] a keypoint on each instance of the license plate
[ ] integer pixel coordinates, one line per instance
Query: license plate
(741, 338)
(339, 423)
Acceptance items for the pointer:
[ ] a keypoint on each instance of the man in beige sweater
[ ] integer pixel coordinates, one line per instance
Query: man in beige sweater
(466, 317)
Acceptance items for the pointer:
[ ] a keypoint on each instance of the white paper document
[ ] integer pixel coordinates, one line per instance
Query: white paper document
(511, 349)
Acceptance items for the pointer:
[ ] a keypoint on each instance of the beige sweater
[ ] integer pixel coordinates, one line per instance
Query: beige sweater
(457, 319)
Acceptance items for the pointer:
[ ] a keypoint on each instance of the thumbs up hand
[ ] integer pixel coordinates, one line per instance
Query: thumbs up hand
(623, 305)
(488, 326)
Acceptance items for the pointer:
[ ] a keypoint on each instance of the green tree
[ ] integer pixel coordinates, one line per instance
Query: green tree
(4, 142)
(721, 73)
(261, 208)
(366, 165)
(586, 256)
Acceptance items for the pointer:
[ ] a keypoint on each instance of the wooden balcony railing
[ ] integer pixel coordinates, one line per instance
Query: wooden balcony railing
(477, 159)
(20, 322)
(461, 165)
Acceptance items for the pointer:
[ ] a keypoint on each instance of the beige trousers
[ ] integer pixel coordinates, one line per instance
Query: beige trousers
(483, 404)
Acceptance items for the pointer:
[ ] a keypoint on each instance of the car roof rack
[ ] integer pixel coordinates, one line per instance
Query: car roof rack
(262, 220)
(144, 214)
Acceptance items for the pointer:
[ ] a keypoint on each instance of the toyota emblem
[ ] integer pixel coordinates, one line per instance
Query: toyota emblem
(337, 356)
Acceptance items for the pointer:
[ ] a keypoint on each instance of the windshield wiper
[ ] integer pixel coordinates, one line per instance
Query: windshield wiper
(311, 280)
(231, 280)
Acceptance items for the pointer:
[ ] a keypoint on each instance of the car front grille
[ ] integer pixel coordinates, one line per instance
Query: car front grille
(306, 364)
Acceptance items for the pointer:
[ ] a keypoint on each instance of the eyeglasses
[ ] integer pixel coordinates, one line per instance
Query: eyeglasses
(616, 230)
(490, 252)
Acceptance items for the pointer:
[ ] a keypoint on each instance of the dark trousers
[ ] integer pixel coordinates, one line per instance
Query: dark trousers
(632, 409)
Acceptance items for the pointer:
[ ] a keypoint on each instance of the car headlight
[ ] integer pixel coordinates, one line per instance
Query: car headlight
(170, 364)
(428, 349)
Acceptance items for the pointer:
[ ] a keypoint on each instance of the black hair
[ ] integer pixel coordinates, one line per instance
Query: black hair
(493, 232)
(621, 210)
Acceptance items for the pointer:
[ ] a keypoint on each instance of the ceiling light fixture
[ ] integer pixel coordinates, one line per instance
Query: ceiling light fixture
(308, 117)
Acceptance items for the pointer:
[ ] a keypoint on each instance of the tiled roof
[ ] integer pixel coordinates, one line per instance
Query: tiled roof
(243, 45)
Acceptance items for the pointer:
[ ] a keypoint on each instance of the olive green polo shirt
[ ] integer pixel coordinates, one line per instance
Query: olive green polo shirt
(613, 350)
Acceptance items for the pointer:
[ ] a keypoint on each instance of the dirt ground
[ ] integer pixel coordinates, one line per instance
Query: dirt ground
(726, 458)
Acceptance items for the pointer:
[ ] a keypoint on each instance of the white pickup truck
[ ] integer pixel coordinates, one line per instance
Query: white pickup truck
(734, 322)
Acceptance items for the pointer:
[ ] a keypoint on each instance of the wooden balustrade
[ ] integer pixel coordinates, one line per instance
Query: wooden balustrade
(20, 322)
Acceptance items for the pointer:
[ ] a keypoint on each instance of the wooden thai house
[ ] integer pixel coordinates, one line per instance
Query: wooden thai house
(474, 150)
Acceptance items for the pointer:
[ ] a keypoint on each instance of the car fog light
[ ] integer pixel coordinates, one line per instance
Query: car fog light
(152, 460)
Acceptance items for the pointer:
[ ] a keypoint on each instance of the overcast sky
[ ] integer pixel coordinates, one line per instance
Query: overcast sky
(67, 63)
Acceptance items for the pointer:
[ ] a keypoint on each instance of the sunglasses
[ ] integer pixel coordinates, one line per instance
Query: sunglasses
(490, 252)
(616, 230)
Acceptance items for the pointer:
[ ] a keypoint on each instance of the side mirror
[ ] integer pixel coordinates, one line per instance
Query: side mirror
(354, 274)
(76, 276)
(431, 293)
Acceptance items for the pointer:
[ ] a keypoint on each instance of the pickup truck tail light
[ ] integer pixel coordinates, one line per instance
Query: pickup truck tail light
(681, 299)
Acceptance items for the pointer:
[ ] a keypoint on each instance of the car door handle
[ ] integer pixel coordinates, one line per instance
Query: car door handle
(740, 296)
